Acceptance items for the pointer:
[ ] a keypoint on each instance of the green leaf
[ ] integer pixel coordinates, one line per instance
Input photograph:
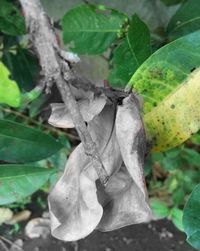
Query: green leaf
(159, 208)
(194, 240)
(20, 144)
(18, 181)
(170, 164)
(92, 28)
(9, 91)
(185, 20)
(176, 216)
(195, 139)
(162, 72)
(191, 156)
(178, 196)
(11, 22)
(23, 67)
(171, 2)
(172, 159)
(173, 121)
(191, 218)
(131, 53)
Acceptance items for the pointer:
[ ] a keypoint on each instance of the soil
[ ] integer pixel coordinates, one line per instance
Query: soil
(159, 235)
(155, 236)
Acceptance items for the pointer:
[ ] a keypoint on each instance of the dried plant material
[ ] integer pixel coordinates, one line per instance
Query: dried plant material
(74, 207)
(5, 214)
(89, 108)
(129, 205)
(18, 217)
(78, 203)
(17, 245)
(38, 227)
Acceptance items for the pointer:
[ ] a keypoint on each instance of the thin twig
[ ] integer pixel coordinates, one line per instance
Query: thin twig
(46, 127)
(44, 40)
(11, 243)
(3, 245)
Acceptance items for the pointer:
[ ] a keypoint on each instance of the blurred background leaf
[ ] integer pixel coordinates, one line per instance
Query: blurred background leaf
(20, 144)
(23, 66)
(185, 20)
(18, 181)
(9, 90)
(131, 52)
(92, 28)
(191, 218)
(11, 21)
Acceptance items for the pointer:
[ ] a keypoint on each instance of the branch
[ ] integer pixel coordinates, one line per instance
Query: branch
(44, 41)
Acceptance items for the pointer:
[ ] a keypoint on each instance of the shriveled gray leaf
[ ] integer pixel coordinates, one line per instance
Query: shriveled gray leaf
(89, 108)
(78, 203)
(129, 204)
(74, 207)
(37, 227)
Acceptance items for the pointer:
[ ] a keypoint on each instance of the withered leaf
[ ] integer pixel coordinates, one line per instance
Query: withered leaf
(78, 204)
(89, 108)
(129, 205)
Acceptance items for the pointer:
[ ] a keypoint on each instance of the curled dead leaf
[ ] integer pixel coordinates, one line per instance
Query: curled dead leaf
(78, 203)
(37, 227)
(5, 214)
(89, 108)
(130, 204)
(18, 217)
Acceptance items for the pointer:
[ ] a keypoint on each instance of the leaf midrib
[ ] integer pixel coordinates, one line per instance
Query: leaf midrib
(92, 31)
(185, 23)
(25, 140)
(46, 172)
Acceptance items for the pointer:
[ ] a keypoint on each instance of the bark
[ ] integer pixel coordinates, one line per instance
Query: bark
(56, 69)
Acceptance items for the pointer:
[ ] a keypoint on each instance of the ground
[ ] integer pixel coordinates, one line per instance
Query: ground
(155, 236)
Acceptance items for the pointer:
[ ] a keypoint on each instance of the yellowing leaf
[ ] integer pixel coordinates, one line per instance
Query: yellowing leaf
(9, 90)
(177, 117)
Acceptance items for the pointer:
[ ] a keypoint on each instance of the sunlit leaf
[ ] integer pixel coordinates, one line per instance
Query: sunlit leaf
(177, 117)
(23, 68)
(159, 208)
(9, 90)
(176, 216)
(166, 69)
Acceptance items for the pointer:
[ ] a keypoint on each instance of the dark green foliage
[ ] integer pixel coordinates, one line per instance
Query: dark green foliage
(92, 28)
(171, 2)
(132, 51)
(191, 218)
(11, 21)
(23, 66)
(19, 181)
(96, 29)
(21, 144)
(186, 19)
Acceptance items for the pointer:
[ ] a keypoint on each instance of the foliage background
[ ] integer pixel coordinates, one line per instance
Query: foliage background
(172, 175)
